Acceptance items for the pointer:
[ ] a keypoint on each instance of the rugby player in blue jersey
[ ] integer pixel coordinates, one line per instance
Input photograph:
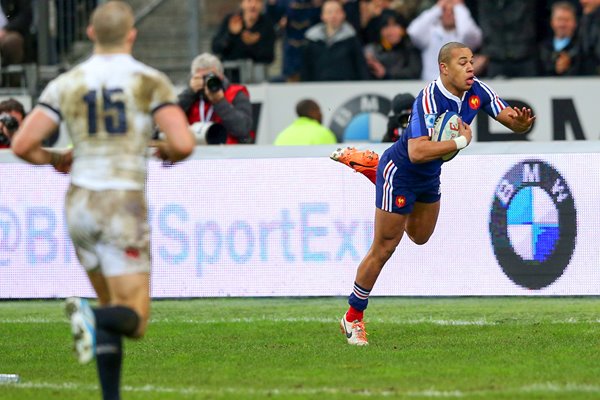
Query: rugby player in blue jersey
(408, 173)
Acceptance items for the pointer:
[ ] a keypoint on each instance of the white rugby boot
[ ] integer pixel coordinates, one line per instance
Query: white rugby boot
(355, 332)
(83, 328)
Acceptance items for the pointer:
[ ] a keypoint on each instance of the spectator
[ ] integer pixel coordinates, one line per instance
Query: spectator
(510, 44)
(410, 9)
(12, 114)
(394, 56)
(352, 8)
(558, 53)
(589, 38)
(333, 52)
(307, 129)
(447, 21)
(246, 34)
(372, 19)
(15, 23)
(227, 104)
(296, 17)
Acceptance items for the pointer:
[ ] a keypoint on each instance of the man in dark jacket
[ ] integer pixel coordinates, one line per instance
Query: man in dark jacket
(558, 53)
(246, 34)
(15, 22)
(333, 52)
(296, 16)
(589, 38)
(207, 103)
(510, 40)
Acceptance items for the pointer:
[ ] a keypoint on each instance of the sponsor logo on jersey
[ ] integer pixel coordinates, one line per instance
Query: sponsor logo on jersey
(533, 224)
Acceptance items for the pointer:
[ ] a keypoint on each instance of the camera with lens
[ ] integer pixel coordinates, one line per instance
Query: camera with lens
(399, 116)
(11, 125)
(213, 83)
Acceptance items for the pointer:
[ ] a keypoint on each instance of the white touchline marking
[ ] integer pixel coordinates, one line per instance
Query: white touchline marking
(545, 387)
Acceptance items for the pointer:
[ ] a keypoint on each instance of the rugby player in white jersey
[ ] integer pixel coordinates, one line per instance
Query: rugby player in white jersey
(109, 104)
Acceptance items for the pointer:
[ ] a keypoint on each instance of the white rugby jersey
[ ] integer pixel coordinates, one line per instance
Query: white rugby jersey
(107, 103)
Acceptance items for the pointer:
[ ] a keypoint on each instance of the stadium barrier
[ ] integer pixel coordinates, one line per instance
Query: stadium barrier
(516, 219)
(358, 111)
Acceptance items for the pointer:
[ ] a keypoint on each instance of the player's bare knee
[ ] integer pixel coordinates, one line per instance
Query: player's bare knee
(422, 241)
(385, 251)
(418, 237)
(419, 240)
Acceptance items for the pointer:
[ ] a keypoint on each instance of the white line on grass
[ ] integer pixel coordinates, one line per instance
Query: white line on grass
(395, 321)
(28, 320)
(537, 388)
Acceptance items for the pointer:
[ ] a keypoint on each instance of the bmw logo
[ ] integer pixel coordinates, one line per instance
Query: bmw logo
(361, 119)
(533, 224)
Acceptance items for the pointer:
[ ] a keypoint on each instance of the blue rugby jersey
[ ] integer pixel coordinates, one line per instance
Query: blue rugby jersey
(432, 101)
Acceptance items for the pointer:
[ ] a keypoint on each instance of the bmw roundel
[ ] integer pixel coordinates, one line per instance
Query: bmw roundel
(361, 119)
(533, 224)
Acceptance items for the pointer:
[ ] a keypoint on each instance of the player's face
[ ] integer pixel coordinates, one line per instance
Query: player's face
(459, 70)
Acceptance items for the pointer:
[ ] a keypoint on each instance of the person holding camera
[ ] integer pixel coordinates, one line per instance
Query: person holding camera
(399, 116)
(211, 101)
(12, 114)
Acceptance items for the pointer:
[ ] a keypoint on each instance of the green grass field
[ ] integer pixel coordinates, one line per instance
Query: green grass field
(467, 348)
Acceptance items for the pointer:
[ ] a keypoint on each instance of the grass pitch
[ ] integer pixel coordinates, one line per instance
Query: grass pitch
(466, 348)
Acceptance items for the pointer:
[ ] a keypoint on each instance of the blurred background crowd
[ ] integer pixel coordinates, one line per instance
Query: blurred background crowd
(212, 49)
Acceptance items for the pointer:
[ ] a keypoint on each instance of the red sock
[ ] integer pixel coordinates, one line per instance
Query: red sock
(354, 315)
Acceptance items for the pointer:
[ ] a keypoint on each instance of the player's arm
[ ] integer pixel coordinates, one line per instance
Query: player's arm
(421, 149)
(515, 119)
(179, 141)
(27, 142)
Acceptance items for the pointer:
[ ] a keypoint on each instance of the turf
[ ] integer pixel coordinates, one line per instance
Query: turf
(467, 348)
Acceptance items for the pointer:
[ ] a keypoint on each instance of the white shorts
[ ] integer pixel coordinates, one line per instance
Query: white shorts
(109, 230)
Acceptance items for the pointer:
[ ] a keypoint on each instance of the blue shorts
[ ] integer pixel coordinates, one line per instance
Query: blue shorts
(397, 192)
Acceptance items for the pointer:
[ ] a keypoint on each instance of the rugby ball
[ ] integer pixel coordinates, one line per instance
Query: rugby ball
(446, 128)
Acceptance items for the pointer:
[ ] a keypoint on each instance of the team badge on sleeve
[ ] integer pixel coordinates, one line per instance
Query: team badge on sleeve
(430, 120)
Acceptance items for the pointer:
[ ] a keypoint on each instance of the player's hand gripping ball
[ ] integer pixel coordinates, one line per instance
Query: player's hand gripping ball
(446, 128)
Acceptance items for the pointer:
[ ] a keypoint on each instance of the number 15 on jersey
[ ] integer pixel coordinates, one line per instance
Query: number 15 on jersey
(106, 107)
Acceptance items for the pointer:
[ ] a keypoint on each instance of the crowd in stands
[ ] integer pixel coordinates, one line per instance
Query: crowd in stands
(333, 40)
(352, 40)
